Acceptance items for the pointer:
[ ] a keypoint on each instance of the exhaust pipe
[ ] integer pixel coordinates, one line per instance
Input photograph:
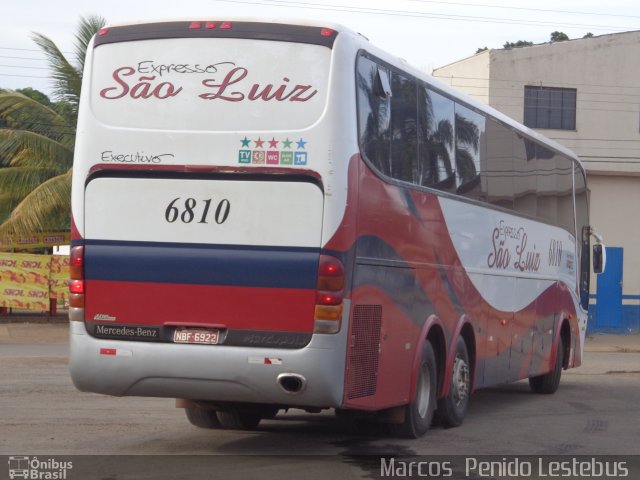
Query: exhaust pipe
(292, 383)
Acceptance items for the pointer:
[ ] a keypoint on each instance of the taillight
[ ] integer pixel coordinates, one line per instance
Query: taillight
(76, 277)
(329, 295)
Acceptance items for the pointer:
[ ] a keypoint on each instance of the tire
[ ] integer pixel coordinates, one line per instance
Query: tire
(549, 382)
(238, 419)
(453, 407)
(418, 415)
(202, 417)
(268, 412)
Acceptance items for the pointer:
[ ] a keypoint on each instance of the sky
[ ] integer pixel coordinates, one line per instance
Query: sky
(427, 33)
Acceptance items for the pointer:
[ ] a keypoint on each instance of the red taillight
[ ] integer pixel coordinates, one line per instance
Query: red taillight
(330, 273)
(76, 263)
(326, 32)
(329, 295)
(102, 32)
(76, 275)
(210, 25)
(226, 26)
(76, 286)
(195, 25)
(328, 298)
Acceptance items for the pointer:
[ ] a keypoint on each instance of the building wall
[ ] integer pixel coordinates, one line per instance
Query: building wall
(605, 71)
(470, 75)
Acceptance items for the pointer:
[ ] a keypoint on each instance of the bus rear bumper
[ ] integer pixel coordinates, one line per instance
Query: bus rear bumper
(214, 373)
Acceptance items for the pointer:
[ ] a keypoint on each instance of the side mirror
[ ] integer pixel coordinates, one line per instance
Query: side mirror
(599, 258)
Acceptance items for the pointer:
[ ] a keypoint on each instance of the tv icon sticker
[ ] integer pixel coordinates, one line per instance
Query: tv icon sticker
(300, 158)
(244, 156)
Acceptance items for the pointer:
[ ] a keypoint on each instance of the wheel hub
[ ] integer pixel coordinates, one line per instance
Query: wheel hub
(460, 381)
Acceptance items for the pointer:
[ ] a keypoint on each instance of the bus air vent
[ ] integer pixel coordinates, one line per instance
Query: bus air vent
(363, 352)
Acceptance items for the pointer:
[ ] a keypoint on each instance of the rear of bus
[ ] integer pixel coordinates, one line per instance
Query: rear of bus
(205, 186)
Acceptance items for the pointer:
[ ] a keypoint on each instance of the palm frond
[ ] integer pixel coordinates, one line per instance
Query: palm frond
(88, 27)
(66, 78)
(44, 208)
(19, 181)
(14, 104)
(25, 148)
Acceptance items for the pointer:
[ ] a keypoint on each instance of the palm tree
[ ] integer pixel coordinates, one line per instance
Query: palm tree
(37, 140)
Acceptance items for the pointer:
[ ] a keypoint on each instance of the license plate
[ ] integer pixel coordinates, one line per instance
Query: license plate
(191, 335)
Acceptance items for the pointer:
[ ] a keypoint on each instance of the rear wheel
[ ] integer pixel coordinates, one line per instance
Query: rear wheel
(453, 407)
(419, 413)
(245, 417)
(235, 419)
(202, 417)
(549, 382)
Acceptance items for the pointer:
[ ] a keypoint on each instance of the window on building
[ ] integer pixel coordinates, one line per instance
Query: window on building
(550, 107)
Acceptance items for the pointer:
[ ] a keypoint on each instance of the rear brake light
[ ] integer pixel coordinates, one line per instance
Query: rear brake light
(210, 25)
(329, 295)
(226, 26)
(195, 25)
(326, 32)
(76, 286)
(76, 275)
(76, 263)
(102, 32)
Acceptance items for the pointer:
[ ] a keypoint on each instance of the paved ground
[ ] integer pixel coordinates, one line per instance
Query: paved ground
(595, 411)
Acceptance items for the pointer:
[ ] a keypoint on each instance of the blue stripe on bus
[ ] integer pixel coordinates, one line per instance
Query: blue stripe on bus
(197, 264)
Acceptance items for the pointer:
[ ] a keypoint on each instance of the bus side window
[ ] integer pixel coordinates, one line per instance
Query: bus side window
(404, 127)
(525, 181)
(470, 141)
(374, 114)
(497, 171)
(564, 189)
(547, 185)
(435, 139)
(582, 222)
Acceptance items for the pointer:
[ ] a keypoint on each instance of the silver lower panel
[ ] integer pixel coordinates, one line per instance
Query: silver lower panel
(203, 372)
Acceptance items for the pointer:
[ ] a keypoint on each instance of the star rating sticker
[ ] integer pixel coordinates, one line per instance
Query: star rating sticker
(245, 142)
(287, 143)
(259, 143)
(273, 143)
(301, 143)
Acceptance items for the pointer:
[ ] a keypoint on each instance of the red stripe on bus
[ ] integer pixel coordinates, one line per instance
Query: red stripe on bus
(250, 308)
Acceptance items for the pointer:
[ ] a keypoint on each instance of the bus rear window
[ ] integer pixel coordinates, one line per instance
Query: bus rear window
(209, 84)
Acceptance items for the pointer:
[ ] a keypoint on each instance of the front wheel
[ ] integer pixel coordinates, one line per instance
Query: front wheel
(453, 407)
(419, 413)
(549, 382)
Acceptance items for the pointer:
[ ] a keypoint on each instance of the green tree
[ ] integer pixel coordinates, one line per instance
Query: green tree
(481, 49)
(518, 44)
(588, 35)
(559, 37)
(37, 140)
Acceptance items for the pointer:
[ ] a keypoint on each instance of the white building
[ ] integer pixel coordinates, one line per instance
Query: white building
(585, 94)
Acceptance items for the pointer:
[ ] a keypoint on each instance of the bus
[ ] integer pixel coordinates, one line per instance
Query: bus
(281, 215)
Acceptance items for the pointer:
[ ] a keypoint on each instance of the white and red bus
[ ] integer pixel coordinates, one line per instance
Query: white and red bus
(276, 215)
